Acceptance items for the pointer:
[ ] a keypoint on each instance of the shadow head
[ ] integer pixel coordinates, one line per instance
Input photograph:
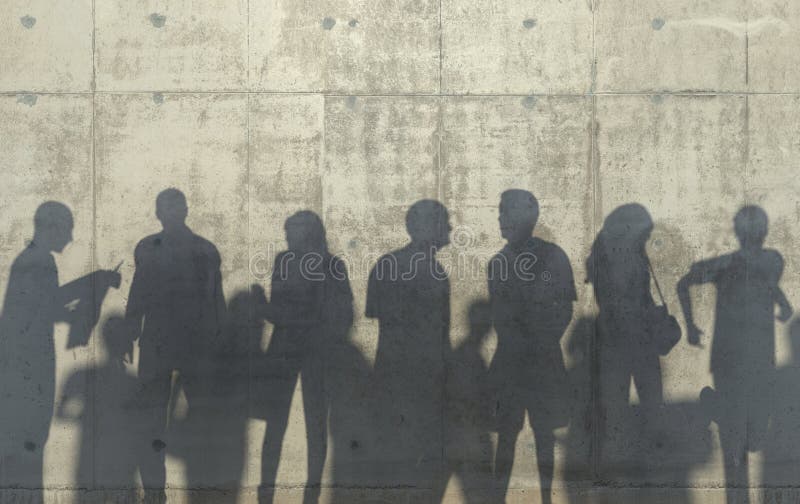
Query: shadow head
(53, 225)
(428, 223)
(519, 213)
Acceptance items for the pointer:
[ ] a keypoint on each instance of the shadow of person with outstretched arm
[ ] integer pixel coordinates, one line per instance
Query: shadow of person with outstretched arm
(34, 302)
(532, 290)
(408, 292)
(310, 303)
(743, 346)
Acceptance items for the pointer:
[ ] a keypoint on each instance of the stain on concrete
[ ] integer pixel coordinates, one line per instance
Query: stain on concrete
(159, 445)
(658, 23)
(353, 23)
(351, 102)
(158, 98)
(529, 102)
(27, 99)
(328, 23)
(657, 99)
(529, 23)
(27, 21)
(158, 20)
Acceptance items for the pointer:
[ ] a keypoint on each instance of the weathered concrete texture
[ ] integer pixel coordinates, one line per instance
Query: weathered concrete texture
(47, 46)
(351, 46)
(675, 46)
(171, 46)
(517, 47)
(356, 109)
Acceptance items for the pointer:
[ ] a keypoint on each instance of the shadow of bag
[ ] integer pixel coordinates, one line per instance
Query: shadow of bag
(663, 329)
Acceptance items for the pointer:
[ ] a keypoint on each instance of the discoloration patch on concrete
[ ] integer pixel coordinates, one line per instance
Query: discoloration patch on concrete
(328, 23)
(27, 99)
(158, 20)
(657, 23)
(27, 21)
(529, 102)
(529, 23)
(158, 98)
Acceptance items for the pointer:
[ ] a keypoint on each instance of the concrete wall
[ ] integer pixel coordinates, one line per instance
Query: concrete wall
(356, 109)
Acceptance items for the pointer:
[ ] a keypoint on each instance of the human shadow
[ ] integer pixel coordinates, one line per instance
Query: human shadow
(109, 444)
(408, 292)
(743, 345)
(35, 300)
(310, 307)
(469, 452)
(531, 290)
(781, 456)
(619, 270)
(176, 310)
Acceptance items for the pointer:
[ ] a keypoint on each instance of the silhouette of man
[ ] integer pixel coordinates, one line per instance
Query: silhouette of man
(310, 307)
(531, 290)
(34, 302)
(409, 293)
(176, 305)
(743, 348)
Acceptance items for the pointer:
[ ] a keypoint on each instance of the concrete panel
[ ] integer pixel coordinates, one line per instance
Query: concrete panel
(47, 46)
(198, 143)
(773, 29)
(685, 163)
(544, 146)
(381, 156)
(516, 47)
(354, 46)
(671, 46)
(171, 46)
(286, 148)
(46, 155)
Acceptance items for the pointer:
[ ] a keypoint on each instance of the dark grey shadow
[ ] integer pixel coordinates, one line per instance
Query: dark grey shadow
(34, 301)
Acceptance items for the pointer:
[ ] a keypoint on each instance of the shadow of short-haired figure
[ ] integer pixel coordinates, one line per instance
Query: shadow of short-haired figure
(310, 306)
(176, 309)
(109, 441)
(34, 302)
(468, 445)
(408, 292)
(531, 290)
(743, 346)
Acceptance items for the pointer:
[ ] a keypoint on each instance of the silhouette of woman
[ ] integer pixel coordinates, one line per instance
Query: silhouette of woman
(618, 268)
(310, 300)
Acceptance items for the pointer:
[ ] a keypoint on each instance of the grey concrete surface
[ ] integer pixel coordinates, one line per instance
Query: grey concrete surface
(356, 109)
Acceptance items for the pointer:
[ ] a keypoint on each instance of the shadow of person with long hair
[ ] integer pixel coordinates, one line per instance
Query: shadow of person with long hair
(408, 292)
(619, 270)
(310, 306)
(532, 290)
(743, 346)
(34, 302)
(109, 442)
(176, 310)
